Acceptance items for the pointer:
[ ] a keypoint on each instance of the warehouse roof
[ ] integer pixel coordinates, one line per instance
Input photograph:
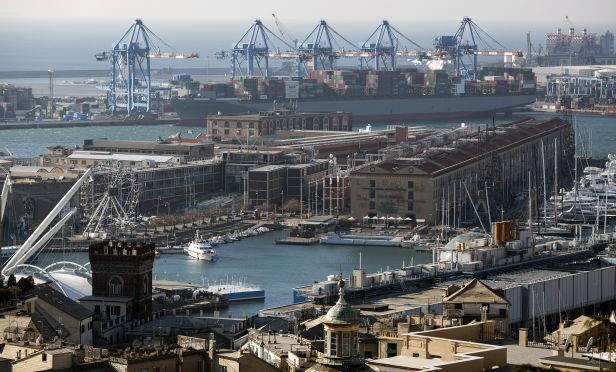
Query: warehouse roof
(106, 155)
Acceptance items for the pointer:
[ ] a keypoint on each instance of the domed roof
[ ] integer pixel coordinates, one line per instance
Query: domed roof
(341, 312)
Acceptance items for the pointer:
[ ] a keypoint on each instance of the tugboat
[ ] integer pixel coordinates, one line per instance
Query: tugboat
(200, 249)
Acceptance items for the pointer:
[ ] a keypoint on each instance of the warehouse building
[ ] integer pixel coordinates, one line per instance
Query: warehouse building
(487, 169)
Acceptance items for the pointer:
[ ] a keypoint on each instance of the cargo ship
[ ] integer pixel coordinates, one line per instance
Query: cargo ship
(194, 112)
(368, 95)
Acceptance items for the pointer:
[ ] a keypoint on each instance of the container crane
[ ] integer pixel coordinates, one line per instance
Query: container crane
(254, 50)
(456, 48)
(382, 48)
(130, 88)
(318, 47)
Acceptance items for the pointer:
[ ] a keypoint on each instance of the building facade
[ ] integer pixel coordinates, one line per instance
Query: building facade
(490, 168)
(244, 126)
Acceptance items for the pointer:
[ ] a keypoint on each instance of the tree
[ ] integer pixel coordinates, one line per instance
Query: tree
(26, 284)
(291, 206)
(12, 281)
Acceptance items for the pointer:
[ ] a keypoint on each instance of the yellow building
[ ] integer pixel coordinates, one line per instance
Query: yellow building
(438, 184)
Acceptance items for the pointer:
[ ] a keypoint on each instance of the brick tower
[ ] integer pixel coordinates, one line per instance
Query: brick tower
(121, 269)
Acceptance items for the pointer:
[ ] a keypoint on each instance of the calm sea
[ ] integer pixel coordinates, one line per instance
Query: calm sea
(33, 142)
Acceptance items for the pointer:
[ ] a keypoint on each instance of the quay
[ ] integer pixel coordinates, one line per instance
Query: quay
(83, 123)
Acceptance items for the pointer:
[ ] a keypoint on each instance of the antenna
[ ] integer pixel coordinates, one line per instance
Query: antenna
(360, 260)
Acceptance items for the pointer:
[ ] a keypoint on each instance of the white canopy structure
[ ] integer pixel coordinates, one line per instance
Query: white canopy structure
(77, 285)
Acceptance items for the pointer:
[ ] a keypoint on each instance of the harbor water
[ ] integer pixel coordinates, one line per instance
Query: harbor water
(34, 142)
(258, 260)
(277, 268)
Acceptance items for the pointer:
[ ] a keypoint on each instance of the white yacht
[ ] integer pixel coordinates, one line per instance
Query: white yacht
(200, 249)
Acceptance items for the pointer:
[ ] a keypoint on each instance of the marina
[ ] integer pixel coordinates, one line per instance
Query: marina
(405, 202)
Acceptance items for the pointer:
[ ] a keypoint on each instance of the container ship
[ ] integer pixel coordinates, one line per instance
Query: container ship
(368, 95)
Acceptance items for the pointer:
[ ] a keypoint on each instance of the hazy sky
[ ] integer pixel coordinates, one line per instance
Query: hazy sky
(581, 11)
(65, 34)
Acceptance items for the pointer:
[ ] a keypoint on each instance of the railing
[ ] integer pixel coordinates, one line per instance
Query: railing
(550, 341)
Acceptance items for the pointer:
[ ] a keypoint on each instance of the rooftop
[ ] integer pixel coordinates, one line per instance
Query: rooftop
(106, 155)
(46, 293)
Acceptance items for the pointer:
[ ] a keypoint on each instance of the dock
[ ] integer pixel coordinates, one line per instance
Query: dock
(293, 240)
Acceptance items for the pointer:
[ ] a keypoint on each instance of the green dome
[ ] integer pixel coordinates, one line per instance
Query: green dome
(341, 312)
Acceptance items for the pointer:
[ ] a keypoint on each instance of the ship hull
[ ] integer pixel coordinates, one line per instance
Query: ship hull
(194, 112)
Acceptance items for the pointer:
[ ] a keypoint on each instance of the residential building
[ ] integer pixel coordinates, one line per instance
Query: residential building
(275, 348)
(475, 301)
(56, 316)
(459, 348)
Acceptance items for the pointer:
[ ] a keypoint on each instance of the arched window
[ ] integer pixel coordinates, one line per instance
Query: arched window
(315, 123)
(335, 123)
(115, 286)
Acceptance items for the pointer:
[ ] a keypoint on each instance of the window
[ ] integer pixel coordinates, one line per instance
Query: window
(251, 125)
(372, 183)
(333, 344)
(392, 349)
(83, 328)
(457, 306)
(238, 124)
(97, 309)
(44, 357)
(156, 369)
(346, 344)
(372, 205)
(502, 313)
(115, 286)
(367, 354)
(372, 193)
(226, 131)
(89, 325)
(410, 195)
(223, 368)
(226, 124)
(411, 184)
(410, 205)
(116, 310)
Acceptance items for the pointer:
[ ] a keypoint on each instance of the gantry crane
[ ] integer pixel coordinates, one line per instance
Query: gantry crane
(457, 48)
(322, 48)
(254, 50)
(131, 87)
(382, 48)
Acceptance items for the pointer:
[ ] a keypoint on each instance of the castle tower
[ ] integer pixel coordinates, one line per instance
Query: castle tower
(124, 270)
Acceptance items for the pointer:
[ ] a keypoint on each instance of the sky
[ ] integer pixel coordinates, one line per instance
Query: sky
(408, 10)
(64, 34)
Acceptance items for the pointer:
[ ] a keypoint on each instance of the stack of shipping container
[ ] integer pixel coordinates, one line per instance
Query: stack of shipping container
(402, 82)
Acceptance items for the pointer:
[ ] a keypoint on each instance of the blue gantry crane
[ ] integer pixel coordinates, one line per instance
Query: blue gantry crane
(254, 50)
(480, 43)
(383, 46)
(130, 88)
(321, 48)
